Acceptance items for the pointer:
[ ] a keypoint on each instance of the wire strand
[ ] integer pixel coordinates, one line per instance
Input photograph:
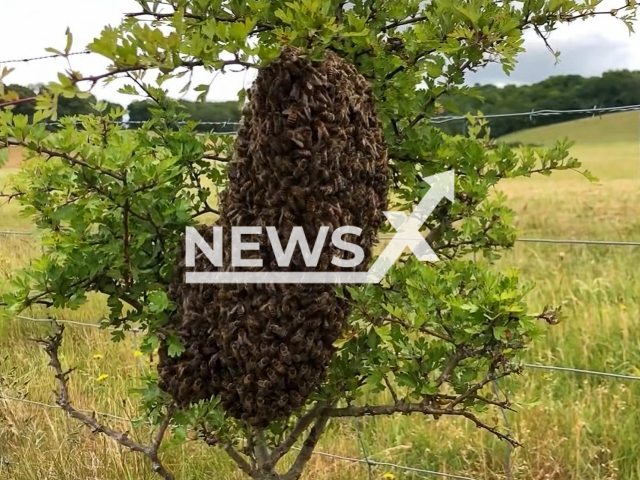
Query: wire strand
(72, 322)
(48, 405)
(578, 370)
(527, 365)
(391, 465)
(537, 113)
(45, 57)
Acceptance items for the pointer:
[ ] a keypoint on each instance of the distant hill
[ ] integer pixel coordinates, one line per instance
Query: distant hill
(608, 146)
(610, 128)
(563, 92)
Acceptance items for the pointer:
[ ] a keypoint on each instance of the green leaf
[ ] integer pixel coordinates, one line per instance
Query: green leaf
(4, 156)
(69, 35)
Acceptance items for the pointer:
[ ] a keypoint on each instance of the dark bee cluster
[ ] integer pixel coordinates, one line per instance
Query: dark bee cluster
(309, 153)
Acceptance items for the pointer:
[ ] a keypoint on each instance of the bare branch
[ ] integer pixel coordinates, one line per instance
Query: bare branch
(73, 160)
(299, 428)
(189, 64)
(236, 457)
(216, 158)
(407, 408)
(51, 346)
(17, 102)
(308, 446)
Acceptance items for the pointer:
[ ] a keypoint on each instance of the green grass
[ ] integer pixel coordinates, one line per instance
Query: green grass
(573, 427)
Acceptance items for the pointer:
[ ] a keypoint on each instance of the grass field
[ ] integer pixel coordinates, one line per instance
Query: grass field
(572, 427)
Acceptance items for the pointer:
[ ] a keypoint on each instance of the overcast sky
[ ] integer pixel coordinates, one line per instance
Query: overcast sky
(29, 26)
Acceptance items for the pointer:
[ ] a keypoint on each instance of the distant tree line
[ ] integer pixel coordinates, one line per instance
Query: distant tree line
(66, 106)
(564, 92)
(205, 112)
(138, 111)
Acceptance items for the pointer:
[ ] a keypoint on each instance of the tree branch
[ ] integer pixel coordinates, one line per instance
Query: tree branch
(298, 429)
(51, 346)
(17, 102)
(408, 408)
(308, 446)
(65, 156)
(236, 457)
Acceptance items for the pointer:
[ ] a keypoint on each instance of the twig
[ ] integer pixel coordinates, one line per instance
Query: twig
(407, 408)
(72, 160)
(17, 102)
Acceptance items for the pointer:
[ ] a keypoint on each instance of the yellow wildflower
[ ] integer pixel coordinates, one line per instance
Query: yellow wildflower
(388, 476)
(102, 377)
(137, 354)
(98, 356)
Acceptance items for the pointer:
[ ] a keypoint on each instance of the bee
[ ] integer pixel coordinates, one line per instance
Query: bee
(247, 406)
(328, 117)
(298, 337)
(273, 376)
(292, 116)
(279, 367)
(327, 190)
(296, 398)
(266, 384)
(277, 329)
(238, 309)
(263, 363)
(322, 97)
(270, 308)
(284, 353)
(322, 131)
(311, 205)
(302, 166)
(243, 339)
(340, 183)
(287, 215)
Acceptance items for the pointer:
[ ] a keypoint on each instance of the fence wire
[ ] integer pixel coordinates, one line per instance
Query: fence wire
(48, 405)
(526, 365)
(559, 241)
(45, 57)
(539, 113)
(73, 322)
(369, 462)
(391, 465)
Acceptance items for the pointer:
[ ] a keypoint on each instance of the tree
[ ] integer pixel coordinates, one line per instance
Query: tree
(66, 107)
(214, 115)
(113, 203)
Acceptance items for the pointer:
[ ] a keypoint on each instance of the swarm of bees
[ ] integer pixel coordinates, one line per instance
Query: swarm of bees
(310, 153)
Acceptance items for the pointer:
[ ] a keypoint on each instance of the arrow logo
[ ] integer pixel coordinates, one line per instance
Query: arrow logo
(408, 227)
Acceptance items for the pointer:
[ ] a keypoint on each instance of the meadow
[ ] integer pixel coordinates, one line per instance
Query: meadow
(572, 426)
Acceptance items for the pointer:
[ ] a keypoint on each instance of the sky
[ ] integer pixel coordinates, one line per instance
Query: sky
(587, 47)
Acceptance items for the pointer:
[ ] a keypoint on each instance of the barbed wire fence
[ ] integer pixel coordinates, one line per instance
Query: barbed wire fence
(44, 57)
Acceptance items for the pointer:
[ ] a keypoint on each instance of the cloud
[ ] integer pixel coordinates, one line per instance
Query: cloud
(587, 48)
(590, 56)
